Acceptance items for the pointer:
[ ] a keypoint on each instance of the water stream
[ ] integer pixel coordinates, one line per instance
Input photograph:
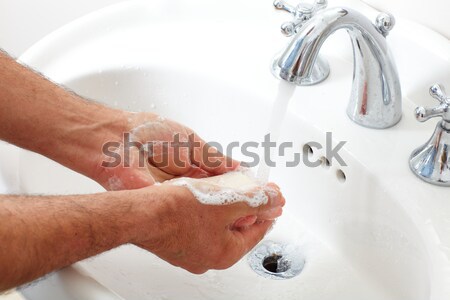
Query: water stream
(285, 92)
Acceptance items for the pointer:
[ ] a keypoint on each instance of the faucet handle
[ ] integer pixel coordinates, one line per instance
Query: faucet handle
(282, 5)
(437, 91)
(302, 13)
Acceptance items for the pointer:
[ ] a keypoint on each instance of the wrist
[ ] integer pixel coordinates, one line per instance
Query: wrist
(118, 165)
(158, 214)
(83, 130)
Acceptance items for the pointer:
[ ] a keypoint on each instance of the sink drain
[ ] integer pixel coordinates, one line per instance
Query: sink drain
(276, 264)
(276, 261)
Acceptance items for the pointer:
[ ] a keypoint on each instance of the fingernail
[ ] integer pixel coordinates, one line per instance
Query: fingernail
(275, 198)
(274, 186)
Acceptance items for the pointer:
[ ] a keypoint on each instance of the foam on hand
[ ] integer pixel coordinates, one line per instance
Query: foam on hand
(232, 187)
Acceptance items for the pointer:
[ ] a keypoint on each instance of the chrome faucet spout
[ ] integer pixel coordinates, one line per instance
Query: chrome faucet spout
(376, 100)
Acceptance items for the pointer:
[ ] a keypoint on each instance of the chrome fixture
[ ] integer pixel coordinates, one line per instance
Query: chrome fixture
(376, 100)
(302, 13)
(278, 261)
(431, 162)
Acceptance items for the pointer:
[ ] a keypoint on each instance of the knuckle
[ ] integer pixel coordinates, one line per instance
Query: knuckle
(198, 270)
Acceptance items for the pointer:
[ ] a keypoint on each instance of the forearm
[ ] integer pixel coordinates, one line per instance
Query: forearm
(41, 234)
(43, 117)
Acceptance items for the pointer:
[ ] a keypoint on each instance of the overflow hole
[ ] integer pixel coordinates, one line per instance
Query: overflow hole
(308, 150)
(341, 176)
(325, 162)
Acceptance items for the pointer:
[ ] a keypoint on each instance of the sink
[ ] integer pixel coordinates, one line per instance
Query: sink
(368, 230)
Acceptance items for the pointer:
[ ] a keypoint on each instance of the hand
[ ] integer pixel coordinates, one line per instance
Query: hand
(161, 149)
(199, 237)
(85, 127)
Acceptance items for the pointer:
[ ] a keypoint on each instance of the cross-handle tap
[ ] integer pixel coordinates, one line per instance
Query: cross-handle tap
(437, 91)
(431, 162)
(301, 13)
(376, 99)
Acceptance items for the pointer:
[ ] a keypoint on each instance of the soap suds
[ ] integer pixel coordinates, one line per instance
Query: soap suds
(232, 187)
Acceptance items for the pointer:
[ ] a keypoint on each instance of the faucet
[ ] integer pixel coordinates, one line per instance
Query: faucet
(376, 98)
(431, 162)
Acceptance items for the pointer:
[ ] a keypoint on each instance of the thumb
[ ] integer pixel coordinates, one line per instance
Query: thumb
(210, 159)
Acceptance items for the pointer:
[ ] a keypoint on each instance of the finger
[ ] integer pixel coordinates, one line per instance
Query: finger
(270, 214)
(252, 235)
(274, 195)
(158, 174)
(170, 158)
(241, 214)
(269, 210)
(266, 215)
(244, 222)
(196, 172)
(209, 158)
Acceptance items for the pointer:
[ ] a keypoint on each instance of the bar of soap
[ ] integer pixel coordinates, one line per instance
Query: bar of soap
(238, 186)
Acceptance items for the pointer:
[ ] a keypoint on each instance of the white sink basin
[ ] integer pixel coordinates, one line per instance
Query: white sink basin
(378, 233)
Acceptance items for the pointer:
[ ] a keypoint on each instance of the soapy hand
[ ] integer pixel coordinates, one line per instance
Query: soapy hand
(166, 219)
(199, 237)
(161, 149)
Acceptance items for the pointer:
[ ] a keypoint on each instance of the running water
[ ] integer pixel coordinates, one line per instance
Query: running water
(241, 185)
(285, 92)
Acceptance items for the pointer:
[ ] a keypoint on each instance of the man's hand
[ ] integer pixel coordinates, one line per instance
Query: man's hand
(154, 149)
(199, 237)
(43, 117)
(43, 234)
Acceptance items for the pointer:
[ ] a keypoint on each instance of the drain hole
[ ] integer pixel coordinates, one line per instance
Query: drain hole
(277, 261)
(276, 264)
